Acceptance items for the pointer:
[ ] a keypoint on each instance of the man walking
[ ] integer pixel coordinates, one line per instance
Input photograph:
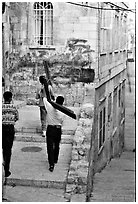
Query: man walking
(54, 131)
(9, 116)
(40, 95)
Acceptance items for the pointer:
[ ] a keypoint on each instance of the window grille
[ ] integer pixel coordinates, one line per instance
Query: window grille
(123, 99)
(119, 97)
(115, 108)
(102, 120)
(43, 12)
(109, 106)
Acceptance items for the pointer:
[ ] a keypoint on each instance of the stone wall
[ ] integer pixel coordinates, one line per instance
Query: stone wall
(77, 177)
(24, 84)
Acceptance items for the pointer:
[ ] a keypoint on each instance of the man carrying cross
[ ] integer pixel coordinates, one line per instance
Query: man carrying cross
(55, 119)
(54, 130)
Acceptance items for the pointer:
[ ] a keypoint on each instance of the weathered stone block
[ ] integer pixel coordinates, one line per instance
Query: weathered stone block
(87, 133)
(80, 189)
(87, 111)
(83, 164)
(85, 122)
(73, 165)
(74, 155)
(71, 179)
(70, 188)
(82, 179)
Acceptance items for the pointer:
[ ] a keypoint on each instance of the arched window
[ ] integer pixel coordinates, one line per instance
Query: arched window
(43, 23)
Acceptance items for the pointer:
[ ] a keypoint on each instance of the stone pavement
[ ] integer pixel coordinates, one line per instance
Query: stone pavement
(116, 183)
(31, 177)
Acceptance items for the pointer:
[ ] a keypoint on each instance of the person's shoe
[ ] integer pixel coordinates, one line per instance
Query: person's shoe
(5, 200)
(44, 133)
(7, 174)
(51, 168)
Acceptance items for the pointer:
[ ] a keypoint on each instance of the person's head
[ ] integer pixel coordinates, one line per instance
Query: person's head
(60, 100)
(7, 96)
(41, 79)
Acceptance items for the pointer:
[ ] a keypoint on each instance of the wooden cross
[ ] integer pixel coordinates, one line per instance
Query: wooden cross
(61, 108)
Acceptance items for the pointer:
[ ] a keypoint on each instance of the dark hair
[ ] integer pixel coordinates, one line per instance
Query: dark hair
(7, 95)
(60, 100)
(41, 79)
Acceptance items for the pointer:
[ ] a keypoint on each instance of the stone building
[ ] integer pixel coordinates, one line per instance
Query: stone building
(109, 110)
(45, 27)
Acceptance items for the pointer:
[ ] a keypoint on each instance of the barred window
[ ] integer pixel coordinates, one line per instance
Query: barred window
(102, 127)
(119, 97)
(123, 99)
(109, 106)
(43, 23)
(115, 108)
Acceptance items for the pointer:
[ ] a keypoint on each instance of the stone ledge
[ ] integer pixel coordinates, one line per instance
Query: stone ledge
(38, 138)
(23, 130)
(36, 183)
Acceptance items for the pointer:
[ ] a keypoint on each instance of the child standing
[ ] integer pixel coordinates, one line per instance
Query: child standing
(9, 117)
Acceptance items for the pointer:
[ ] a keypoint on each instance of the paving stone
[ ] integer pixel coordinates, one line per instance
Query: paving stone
(116, 183)
(34, 194)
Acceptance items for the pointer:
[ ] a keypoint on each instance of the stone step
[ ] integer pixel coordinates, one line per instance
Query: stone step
(23, 130)
(65, 139)
(36, 183)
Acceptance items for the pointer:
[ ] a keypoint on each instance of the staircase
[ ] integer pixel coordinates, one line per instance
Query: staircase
(130, 107)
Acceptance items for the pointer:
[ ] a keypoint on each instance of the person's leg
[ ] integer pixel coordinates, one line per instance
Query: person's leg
(7, 159)
(57, 140)
(43, 119)
(50, 147)
(7, 147)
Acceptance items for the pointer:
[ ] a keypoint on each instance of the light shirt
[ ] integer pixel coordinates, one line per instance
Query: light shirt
(54, 117)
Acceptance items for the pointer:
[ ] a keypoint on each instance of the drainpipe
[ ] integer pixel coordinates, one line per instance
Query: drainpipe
(27, 14)
(99, 23)
(3, 47)
(3, 56)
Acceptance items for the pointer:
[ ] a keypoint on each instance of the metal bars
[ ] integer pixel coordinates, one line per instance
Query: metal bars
(43, 12)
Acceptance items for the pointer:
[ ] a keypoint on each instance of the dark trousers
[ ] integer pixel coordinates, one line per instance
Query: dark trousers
(8, 133)
(53, 138)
